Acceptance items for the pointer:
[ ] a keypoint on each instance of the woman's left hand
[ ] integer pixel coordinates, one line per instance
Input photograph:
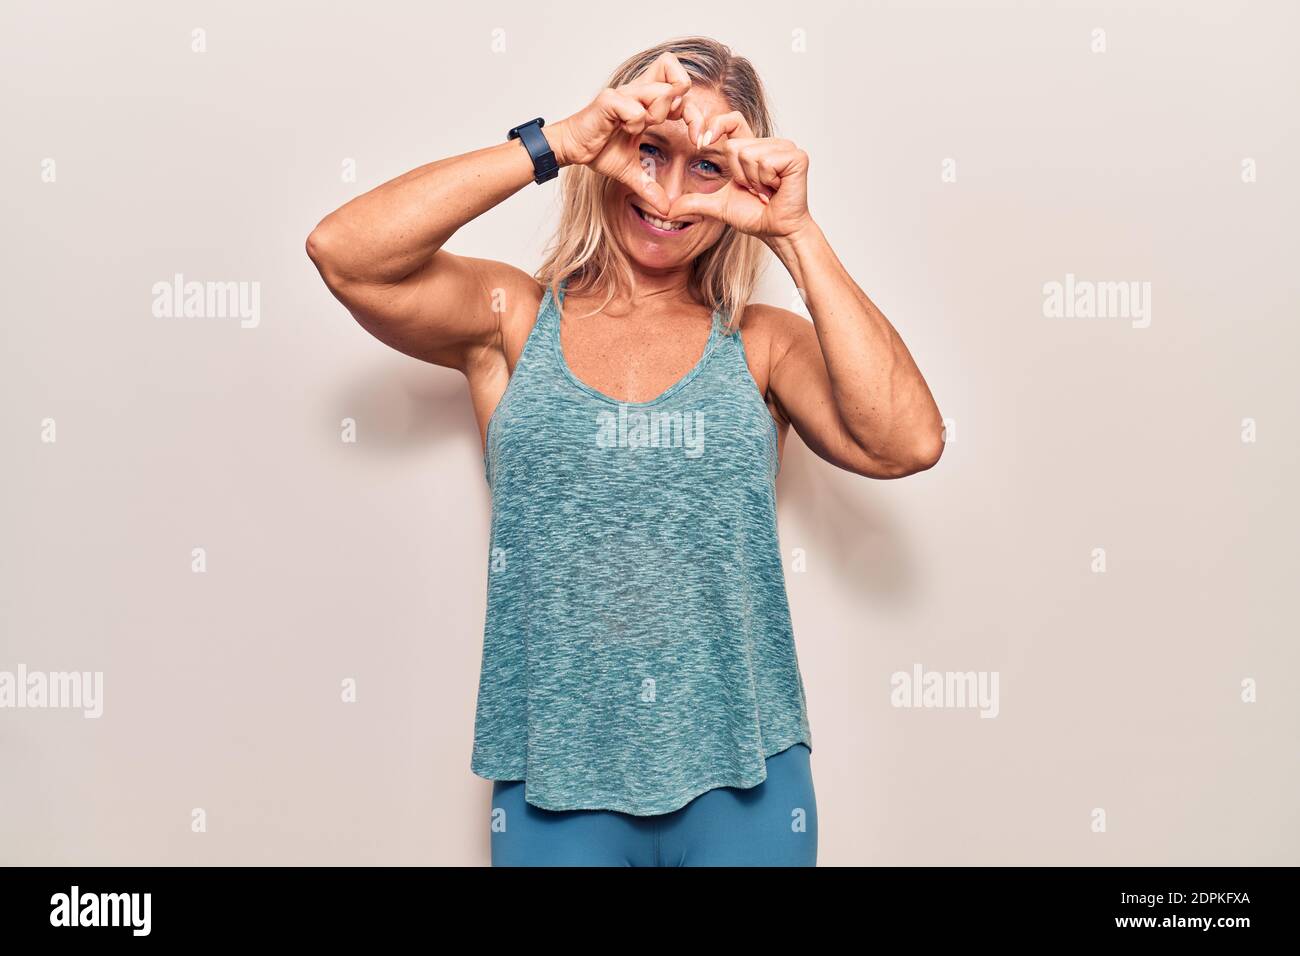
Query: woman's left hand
(767, 195)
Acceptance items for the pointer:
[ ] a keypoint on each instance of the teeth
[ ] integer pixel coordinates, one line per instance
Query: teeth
(660, 223)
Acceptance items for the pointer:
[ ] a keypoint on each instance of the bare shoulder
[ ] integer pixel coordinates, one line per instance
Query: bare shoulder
(515, 297)
(768, 332)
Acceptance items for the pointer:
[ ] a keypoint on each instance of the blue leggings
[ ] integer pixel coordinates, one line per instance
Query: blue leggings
(771, 824)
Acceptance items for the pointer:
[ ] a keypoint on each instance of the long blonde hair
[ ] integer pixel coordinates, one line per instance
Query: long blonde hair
(724, 275)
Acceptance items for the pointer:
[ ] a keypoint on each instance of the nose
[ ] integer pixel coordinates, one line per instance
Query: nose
(670, 176)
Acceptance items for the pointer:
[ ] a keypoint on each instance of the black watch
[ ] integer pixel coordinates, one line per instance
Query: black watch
(530, 134)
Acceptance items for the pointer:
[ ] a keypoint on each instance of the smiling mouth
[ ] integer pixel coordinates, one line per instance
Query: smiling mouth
(665, 226)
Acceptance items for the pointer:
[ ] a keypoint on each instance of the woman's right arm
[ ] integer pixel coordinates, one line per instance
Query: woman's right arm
(381, 255)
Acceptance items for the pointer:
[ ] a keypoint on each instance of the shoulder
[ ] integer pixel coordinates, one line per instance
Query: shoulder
(769, 331)
(515, 294)
(516, 298)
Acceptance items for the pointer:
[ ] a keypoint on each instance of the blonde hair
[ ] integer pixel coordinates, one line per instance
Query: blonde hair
(723, 276)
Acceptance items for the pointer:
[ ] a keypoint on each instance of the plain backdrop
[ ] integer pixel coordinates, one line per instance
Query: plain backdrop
(1169, 157)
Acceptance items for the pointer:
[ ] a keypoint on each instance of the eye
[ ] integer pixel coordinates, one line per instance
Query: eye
(653, 149)
(713, 168)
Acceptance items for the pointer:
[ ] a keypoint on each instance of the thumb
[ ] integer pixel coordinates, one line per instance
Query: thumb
(697, 204)
(653, 193)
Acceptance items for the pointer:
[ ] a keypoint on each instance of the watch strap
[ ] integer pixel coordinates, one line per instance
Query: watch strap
(545, 166)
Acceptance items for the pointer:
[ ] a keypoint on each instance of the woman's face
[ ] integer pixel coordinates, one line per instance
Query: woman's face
(668, 154)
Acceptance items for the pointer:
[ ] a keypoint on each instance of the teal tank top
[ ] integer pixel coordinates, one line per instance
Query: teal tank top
(638, 649)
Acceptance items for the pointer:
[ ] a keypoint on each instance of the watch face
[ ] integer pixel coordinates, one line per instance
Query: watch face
(515, 132)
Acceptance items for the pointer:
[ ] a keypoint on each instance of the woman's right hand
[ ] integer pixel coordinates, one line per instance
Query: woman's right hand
(605, 135)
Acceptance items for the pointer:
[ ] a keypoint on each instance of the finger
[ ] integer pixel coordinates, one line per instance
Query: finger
(735, 162)
(642, 182)
(667, 69)
(761, 162)
(656, 97)
(713, 205)
(694, 118)
(675, 74)
(668, 79)
(624, 112)
(731, 125)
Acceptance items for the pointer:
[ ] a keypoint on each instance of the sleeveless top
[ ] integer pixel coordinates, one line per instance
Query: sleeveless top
(638, 648)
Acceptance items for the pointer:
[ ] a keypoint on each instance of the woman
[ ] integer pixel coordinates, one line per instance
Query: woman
(640, 699)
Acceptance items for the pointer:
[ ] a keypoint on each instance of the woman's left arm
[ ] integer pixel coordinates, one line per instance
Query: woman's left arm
(846, 381)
